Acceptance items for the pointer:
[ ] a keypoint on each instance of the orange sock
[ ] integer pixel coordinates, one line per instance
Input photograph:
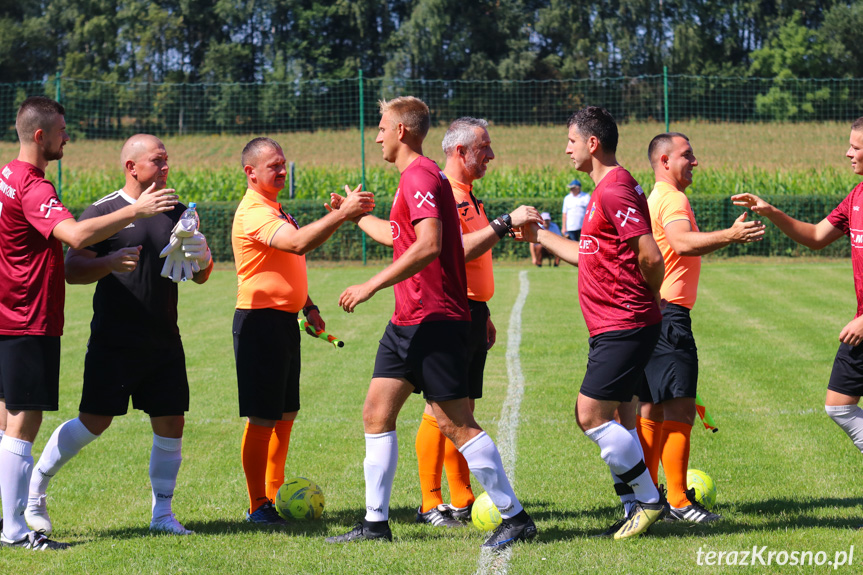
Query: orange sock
(649, 433)
(430, 456)
(457, 476)
(675, 460)
(276, 456)
(256, 441)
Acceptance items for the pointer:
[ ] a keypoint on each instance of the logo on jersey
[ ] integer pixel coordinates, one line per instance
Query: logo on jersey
(395, 229)
(627, 216)
(52, 204)
(7, 172)
(588, 245)
(639, 190)
(592, 210)
(425, 198)
(464, 208)
(8, 190)
(856, 238)
(856, 208)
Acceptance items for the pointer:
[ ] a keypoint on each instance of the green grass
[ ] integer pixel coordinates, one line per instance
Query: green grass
(787, 476)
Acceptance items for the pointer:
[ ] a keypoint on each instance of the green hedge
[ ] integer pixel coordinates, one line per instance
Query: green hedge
(711, 212)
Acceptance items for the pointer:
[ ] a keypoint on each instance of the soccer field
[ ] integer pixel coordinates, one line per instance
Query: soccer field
(787, 476)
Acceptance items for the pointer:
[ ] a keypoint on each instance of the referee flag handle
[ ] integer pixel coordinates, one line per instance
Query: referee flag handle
(706, 418)
(321, 334)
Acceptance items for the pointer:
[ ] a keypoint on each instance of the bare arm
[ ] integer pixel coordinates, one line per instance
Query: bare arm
(649, 261)
(303, 240)
(686, 242)
(91, 231)
(478, 242)
(421, 253)
(376, 228)
(813, 236)
(560, 246)
(85, 267)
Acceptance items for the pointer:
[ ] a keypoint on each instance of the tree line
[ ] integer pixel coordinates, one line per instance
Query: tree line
(215, 41)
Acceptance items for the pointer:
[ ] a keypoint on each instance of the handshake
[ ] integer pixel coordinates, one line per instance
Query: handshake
(186, 254)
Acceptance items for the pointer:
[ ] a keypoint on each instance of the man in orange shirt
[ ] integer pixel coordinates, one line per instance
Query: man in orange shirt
(467, 146)
(667, 408)
(269, 253)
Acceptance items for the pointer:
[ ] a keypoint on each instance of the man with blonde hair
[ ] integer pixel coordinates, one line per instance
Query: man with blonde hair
(423, 348)
(467, 146)
(32, 293)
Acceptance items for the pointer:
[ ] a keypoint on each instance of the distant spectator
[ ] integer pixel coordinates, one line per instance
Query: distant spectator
(537, 252)
(574, 208)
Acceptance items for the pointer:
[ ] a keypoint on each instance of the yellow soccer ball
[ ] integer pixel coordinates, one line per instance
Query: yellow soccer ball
(704, 487)
(484, 515)
(300, 498)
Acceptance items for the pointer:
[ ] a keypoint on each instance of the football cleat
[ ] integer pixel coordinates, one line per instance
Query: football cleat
(169, 525)
(364, 531)
(266, 514)
(460, 513)
(693, 513)
(36, 542)
(614, 528)
(643, 516)
(511, 530)
(439, 516)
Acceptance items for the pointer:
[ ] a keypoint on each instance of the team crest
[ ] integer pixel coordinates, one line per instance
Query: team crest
(639, 190)
(592, 210)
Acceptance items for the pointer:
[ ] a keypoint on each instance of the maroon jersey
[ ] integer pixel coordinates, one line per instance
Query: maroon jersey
(611, 289)
(847, 217)
(32, 291)
(438, 291)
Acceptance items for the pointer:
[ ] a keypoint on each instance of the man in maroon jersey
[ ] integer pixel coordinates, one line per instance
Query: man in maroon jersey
(845, 386)
(423, 348)
(620, 273)
(33, 222)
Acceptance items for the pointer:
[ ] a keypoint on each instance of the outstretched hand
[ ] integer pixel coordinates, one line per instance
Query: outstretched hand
(354, 296)
(524, 215)
(742, 232)
(153, 201)
(751, 202)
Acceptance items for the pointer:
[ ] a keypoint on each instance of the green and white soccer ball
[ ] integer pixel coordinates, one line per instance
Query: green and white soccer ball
(484, 515)
(704, 487)
(300, 498)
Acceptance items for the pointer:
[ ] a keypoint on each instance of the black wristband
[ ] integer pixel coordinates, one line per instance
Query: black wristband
(499, 227)
(308, 309)
(506, 220)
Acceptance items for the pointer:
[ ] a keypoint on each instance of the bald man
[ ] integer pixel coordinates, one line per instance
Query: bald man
(134, 349)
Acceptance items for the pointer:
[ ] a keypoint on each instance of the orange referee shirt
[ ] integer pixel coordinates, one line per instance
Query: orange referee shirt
(471, 214)
(668, 204)
(266, 277)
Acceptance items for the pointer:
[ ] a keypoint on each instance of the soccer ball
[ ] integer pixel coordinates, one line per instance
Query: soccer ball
(484, 515)
(704, 487)
(300, 498)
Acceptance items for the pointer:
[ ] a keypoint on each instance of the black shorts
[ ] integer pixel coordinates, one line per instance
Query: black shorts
(432, 356)
(477, 346)
(672, 371)
(154, 378)
(616, 361)
(267, 353)
(30, 372)
(574, 235)
(847, 375)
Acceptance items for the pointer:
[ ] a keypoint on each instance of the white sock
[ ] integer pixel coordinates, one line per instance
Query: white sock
(382, 455)
(165, 459)
(622, 454)
(484, 462)
(64, 444)
(16, 463)
(624, 491)
(850, 419)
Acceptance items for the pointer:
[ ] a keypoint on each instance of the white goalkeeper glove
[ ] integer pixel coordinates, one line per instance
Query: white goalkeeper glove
(196, 249)
(177, 267)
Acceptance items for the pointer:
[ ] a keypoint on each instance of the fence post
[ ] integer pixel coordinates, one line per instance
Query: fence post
(60, 161)
(362, 149)
(665, 93)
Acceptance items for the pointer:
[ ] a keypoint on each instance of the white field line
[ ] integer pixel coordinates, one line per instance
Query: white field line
(489, 561)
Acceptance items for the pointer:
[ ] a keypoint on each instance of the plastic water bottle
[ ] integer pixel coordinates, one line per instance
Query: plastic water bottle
(190, 215)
